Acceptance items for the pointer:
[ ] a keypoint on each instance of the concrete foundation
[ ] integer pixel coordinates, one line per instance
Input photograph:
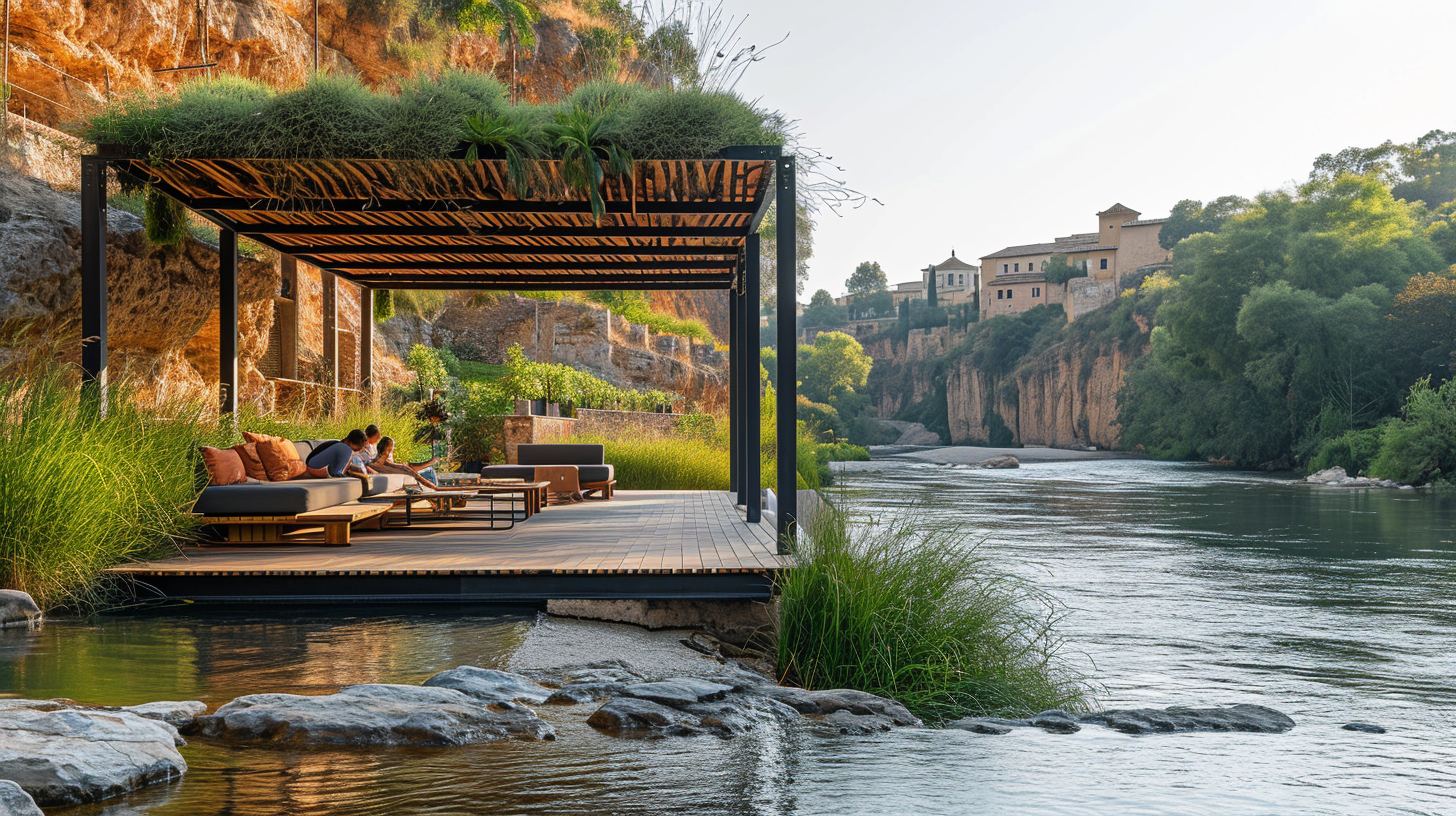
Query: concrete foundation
(730, 620)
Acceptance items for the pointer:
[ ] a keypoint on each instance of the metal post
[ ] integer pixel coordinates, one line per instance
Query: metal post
(5, 82)
(735, 344)
(752, 459)
(227, 318)
(786, 238)
(93, 279)
(331, 335)
(366, 338)
(287, 322)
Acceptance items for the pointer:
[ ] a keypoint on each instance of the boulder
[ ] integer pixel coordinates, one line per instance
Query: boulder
(1363, 727)
(14, 801)
(18, 609)
(584, 693)
(857, 724)
(374, 714)
(1056, 721)
(985, 725)
(1244, 717)
(179, 714)
(629, 717)
(1327, 476)
(1000, 462)
(490, 685)
(69, 756)
(831, 700)
(677, 691)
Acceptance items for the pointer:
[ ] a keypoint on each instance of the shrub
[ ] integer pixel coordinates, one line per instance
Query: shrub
(913, 612)
(1352, 450)
(1421, 445)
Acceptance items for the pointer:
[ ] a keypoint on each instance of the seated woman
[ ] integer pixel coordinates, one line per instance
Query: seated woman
(336, 458)
(385, 463)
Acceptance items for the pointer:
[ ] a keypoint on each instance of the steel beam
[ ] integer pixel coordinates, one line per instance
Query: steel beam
(331, 332)
(460, 231)
(752, 459)
(728, 253)
(735, 343)
(93, 278)
(469, 205)
(465, 265)
(227, 318)
(366, 338)
(787, 435)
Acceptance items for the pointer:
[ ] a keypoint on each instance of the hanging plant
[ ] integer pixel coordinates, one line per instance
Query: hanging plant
(383, 305)
(511, 139)
(579, 137)
(166, 219)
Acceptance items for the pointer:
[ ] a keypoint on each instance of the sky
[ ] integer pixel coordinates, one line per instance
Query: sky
(985, 125)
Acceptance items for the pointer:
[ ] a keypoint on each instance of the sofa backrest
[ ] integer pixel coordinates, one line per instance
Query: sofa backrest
(560, 454)
(305, 447)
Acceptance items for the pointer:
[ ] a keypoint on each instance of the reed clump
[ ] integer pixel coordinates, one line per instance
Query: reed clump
(913, 611)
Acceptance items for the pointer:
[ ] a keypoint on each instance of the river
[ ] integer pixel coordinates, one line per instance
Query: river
(1184, 584)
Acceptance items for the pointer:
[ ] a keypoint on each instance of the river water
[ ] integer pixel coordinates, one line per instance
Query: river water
(1184, 584)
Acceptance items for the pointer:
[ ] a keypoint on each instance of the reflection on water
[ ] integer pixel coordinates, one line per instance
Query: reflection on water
(1188, 585)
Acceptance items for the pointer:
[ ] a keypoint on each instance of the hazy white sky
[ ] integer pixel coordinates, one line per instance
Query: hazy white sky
(981, 125)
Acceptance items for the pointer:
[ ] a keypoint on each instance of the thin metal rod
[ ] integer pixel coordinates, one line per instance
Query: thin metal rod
(23, 89)
(184, 68)
(5, 82)
(93, 279)
(366, 338)
(787, 431)
(227, 318)
(752, 458)
(735, 348)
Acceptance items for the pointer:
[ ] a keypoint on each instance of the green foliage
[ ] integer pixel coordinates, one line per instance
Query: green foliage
(1353, 450)
(80, 494)
(1422, 329)
(911, 611)
(823, 313)
(1421, 445)
(1423, 170)
(1059, 270)
(422, 303)
(769, 252)
(670, 48)
(835, 361)
(166, 219)
(644, 462)
(383, 305)
(868, 278)
(637, 308)
(429, 369)
(1190, 217)
(1271, 335)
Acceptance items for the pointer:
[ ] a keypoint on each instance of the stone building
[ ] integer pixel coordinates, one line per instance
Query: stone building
(1015, 278)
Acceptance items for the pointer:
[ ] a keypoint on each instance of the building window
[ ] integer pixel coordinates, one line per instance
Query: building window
(1000, 293)
(1036, 291)
(949, 279)
(1004, 268)
(1043, 266)
(1009, 293)
(963, 280)
(1104, 263)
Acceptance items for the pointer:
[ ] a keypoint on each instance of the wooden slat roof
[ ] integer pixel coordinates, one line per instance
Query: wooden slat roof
(460, 225)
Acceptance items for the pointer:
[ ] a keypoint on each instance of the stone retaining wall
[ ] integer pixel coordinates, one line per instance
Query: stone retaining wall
(593, 421)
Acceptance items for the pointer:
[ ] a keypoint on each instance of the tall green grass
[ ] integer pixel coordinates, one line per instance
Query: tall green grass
(912, 611)
(649, 462)
(79, 494)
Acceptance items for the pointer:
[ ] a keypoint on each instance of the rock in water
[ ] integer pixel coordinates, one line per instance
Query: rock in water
(985, 725)
(999, 462)
(677, 691)
(1056, 721)
(18, 609)
(14, 801)
(374, 714)
(828, 701)
(1364, 727)
(69, 756)
(1250, 718)
(491, 685)
(857, 724)
(628, 717)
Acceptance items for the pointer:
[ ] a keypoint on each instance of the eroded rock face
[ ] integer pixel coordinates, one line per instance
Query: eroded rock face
(14, 801)
(18, 609)
(490, 685)
(1243, 717)
(374, 714)
(67, 756)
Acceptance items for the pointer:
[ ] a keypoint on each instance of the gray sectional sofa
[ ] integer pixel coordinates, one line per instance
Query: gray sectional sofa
(590, 461)
(293, 497)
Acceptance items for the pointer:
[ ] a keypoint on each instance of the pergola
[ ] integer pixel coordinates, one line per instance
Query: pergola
(450, 224)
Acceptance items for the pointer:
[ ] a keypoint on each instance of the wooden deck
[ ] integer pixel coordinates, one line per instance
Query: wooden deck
(642, 544)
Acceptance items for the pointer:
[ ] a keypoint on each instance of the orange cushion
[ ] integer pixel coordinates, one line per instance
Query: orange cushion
(317, 473)
(280, 457)
(224, 466)
(251, 463)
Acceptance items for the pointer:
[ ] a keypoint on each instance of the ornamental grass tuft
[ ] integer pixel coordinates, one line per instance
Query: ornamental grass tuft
(912, 611)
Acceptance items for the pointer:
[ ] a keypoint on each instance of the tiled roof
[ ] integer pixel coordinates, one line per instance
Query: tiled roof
(1142, 222)
(909, 285)
(1119, 209)
(1079, 245)
(952, 264)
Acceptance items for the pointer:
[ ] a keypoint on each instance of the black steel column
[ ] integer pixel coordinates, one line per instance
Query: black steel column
(93, 278)
(366, 341)
(735, 342)
(227, 318)
(787, 261)
(752, 458)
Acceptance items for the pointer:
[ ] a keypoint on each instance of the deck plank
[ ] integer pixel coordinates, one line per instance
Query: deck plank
(647, 531)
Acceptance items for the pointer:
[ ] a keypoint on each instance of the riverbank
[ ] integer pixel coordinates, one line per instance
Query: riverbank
(972, 455)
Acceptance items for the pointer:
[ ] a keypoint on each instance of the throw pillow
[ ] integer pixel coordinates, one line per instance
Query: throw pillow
(317, 473)
(251, 463)
(280, 457)
(224, 466)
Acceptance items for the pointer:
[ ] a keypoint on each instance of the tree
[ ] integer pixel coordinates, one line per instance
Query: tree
(823, 312)
(867, 279)
(1059, 269)
(930, 300)
(769, 254)
(1190, 217)
(510, 20)
(835, 361)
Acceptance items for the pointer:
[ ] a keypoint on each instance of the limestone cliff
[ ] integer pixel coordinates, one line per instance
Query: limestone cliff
(1065, 396)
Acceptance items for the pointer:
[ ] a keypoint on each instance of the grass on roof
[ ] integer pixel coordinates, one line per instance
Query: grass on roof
(337, 117)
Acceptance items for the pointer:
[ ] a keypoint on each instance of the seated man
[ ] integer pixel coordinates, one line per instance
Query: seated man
(385, 463)
(370, 451)
(336, 458)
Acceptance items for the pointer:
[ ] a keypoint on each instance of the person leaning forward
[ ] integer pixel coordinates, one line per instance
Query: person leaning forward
(336, 457)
